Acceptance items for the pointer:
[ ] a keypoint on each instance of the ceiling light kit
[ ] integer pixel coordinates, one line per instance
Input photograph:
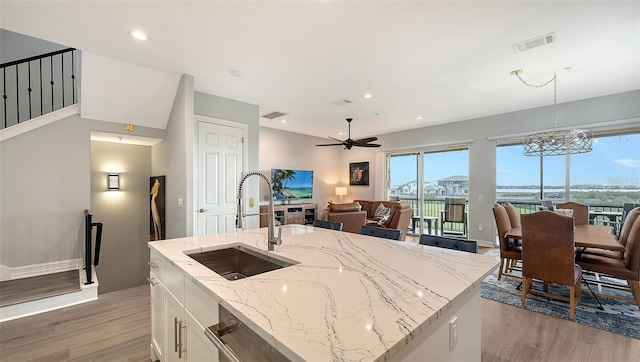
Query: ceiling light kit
(349, 143)
(555, 143)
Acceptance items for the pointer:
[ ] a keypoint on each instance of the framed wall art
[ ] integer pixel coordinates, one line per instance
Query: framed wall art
(359, 174)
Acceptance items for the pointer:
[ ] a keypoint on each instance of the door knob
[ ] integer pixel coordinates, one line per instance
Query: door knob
(202, 210)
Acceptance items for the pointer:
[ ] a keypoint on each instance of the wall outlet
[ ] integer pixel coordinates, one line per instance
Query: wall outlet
(453, 333)
(480, 198)
(480, 227)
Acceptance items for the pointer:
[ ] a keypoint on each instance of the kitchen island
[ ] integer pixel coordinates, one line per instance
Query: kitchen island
(349, 297)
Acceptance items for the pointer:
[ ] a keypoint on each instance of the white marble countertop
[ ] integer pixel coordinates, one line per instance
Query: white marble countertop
(351, 297)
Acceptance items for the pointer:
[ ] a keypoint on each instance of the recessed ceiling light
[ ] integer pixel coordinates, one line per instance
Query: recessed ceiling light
(367, 95)
(283, 121)
(138, 35)
(419, 117)
(235, 73)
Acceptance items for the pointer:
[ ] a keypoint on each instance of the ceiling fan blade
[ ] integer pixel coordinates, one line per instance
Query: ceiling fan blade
(367, 145)
(335, 139)
(366, 140)
(331, 144)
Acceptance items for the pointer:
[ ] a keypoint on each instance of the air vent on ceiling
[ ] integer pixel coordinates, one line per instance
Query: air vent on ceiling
(273, 115)
(341, 102)
(534, 43)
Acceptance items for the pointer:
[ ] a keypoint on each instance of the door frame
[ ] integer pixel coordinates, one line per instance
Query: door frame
(245, 157)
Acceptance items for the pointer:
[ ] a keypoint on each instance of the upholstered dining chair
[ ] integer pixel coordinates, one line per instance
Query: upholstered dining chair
(393, 234)
(514, 216)
(510, 253)
(580, 211)
(625, 267)
(328, 225)
(548, 254)
(470, 246)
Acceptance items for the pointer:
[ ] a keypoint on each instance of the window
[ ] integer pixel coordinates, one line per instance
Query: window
(604, 178)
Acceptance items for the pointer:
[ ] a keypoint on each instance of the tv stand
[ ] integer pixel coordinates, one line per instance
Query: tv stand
(303, 214)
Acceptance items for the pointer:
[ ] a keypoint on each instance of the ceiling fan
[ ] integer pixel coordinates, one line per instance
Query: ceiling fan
(348, 143)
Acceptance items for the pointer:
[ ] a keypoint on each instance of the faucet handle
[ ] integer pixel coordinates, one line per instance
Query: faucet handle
(278, 240)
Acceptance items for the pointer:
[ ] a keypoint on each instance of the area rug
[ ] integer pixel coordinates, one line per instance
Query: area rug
(618, 316)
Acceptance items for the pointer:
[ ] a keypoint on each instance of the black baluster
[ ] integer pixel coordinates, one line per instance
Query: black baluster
(41, 100)
(51, 82)
(17, 97)
(29, 89)
(73, 76)
(62, 76)
(4, 94)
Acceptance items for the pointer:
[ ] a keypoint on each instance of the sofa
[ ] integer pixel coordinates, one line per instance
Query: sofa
(363, 212)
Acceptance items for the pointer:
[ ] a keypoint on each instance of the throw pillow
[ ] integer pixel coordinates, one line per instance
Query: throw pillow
(382, 211)
(383, 220)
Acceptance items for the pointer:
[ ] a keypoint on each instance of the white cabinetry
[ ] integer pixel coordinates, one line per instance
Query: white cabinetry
(180, 311)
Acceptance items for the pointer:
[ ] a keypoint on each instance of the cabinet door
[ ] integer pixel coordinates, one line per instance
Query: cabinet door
(174, 324)
(157, 310)
(200, 347)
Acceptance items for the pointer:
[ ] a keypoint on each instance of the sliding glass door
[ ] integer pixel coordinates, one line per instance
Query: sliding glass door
(426, 178)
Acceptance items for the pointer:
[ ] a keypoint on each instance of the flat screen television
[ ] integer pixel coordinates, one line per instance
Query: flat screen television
(292, 184)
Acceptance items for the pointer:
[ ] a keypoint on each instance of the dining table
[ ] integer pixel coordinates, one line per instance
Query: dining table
(586, 236)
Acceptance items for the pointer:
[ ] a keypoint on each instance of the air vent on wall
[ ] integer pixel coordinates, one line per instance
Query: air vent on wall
(341, 102)
(534, 43)
(273, 115)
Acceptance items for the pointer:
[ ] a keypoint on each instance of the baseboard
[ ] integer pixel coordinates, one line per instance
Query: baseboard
(486, 244)
(5, 272)
(45, 268)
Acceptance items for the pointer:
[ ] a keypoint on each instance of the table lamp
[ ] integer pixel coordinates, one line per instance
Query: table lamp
(341, 191)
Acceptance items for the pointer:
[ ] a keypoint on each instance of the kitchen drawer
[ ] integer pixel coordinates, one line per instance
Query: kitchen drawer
(200, 304)
(155, 263)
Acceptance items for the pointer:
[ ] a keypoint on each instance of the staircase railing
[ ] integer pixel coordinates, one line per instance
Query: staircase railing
(88, 236)
(38, 85)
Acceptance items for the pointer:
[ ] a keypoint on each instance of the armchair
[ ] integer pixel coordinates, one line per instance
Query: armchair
(350, 215)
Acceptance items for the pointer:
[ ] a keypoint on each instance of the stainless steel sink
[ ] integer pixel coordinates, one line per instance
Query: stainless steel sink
(239, 262)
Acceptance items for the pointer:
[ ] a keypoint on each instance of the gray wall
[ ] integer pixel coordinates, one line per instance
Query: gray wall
(173, 158)
(16, 46)
(44, 189)
(125, 213)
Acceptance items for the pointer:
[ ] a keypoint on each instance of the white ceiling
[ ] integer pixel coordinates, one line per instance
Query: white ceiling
(444, 60)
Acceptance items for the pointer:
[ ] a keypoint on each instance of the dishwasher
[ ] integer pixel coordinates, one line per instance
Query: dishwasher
(238, 343)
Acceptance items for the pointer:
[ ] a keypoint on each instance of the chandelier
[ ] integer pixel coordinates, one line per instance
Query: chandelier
(556, 142)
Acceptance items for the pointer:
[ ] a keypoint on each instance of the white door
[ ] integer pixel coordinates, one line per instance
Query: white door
(220, 166)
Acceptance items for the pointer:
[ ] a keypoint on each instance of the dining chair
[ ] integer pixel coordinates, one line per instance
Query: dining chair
(393, 234)
(514, 216)
(470, 246)
(510, 253)
(548, 254)
(454, 212)
(580, 211)
(328, 225)
(625, 267)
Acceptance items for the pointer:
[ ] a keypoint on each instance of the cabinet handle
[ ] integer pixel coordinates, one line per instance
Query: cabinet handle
(216, 331)
(153, 264)
(175, 334)
(151, 282)
(180, 326)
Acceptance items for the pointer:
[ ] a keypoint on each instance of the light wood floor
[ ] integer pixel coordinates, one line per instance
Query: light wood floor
(26, 289)
(117, 327)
